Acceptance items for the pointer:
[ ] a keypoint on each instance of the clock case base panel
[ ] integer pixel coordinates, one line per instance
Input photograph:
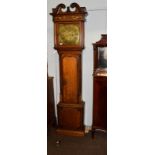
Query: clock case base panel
(70, 119)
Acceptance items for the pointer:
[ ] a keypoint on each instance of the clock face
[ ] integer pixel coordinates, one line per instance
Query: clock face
(69, 34)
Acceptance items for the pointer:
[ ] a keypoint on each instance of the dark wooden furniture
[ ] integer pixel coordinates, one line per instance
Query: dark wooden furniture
(51, 118)
(69, 42)
(100, 85)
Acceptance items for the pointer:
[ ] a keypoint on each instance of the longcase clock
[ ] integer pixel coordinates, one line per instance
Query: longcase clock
(69, 42)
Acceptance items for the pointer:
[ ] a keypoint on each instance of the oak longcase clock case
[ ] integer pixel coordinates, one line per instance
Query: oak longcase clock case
(69, 42)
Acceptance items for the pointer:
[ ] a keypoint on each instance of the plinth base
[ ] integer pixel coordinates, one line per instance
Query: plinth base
(79, 133)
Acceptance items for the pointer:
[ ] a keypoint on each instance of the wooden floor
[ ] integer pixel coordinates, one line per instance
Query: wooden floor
(76, 145)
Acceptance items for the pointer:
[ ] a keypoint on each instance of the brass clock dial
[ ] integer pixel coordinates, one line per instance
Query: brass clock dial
(69, 34)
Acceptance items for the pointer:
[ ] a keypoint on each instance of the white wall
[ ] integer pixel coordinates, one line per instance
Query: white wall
(95, 26)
